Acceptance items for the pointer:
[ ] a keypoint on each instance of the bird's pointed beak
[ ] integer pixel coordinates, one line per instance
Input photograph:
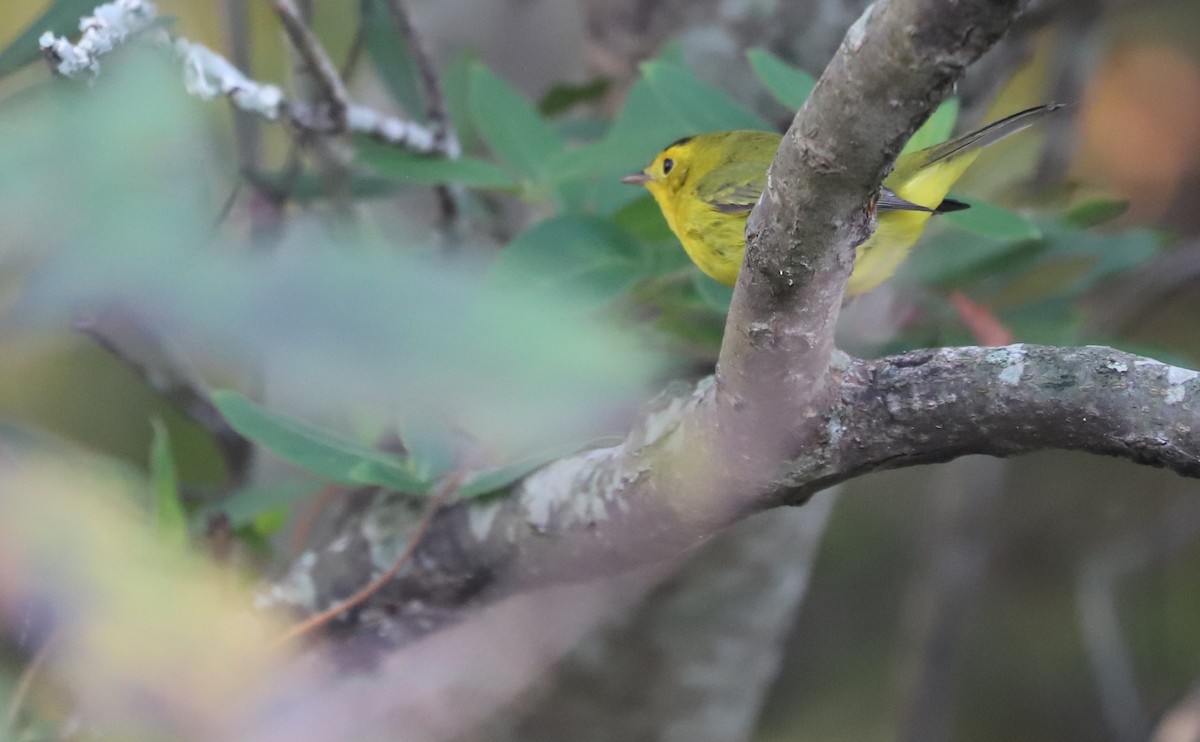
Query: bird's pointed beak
(636, 179)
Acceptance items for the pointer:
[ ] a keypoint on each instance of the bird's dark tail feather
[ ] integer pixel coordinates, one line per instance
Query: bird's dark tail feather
(949, 205)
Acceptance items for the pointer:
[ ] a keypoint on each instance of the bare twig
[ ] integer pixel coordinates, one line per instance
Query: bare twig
(320, 65)
(445, 138)
(245, 126)
(125, 337)
(354, 53)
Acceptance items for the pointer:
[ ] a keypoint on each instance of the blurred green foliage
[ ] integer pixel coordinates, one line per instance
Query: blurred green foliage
(394, 329)
(107, 195)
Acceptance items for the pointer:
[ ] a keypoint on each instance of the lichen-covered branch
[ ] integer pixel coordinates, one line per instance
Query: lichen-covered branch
(208, 75)
(935, 405)
(659, 493)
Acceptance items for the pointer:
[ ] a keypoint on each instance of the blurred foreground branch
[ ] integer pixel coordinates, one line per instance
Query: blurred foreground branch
(741, 591)
(123, 335)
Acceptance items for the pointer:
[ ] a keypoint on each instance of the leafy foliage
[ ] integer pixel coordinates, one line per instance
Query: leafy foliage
(310, 447)
(789, 85)
(394, 332)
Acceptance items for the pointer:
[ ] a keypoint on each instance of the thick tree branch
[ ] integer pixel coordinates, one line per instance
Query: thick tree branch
(935, 405)
(896, 63)
(786, 415)
(653, 497)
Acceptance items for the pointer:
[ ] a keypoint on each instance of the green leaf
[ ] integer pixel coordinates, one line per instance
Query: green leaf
(599, 159)
(668, 102)
(170, 520)
(324, 453)
(407, 167)
(495, 479)
(270, 522)
(1111, 253)
(715, 295)
(456, 86)
(246, 505)
(988, 219)
(936, 129)
(700, 107)
(952, 258)
(644, 220)
(582, 128)
(511, 127)
(587, 259)
(391, 59)
(790, 85)
(1094, 211)
(565, 96)
(61, 18)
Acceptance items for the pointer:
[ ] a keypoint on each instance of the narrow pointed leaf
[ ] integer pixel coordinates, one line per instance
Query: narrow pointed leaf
(320, 451)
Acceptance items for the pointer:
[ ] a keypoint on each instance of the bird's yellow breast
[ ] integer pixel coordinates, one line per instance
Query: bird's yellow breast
(714, 241)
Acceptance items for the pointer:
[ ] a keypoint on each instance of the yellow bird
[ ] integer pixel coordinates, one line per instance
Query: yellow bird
(706, 186)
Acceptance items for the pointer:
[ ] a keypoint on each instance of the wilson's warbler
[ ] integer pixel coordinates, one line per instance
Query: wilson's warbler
(706, 186)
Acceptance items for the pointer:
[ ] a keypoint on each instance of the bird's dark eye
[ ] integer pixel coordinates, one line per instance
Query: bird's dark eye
(667, 165)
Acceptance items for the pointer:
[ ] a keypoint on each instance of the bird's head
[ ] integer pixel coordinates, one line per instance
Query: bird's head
(667, 171)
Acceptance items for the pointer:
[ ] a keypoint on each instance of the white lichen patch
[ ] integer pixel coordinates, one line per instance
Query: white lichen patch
(895, 405)
(481, 516)
(1012, 358)
(1117, 366)
(109, 26)
(208, 75)
(660, 423)
(834, 431)
(387, 527)
(1177, 378)
(297, 588)
(857, 33)
(1012, 373)
(571, 492)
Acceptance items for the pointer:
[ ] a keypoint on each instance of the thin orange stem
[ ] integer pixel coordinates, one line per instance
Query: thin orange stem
(447, 487)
